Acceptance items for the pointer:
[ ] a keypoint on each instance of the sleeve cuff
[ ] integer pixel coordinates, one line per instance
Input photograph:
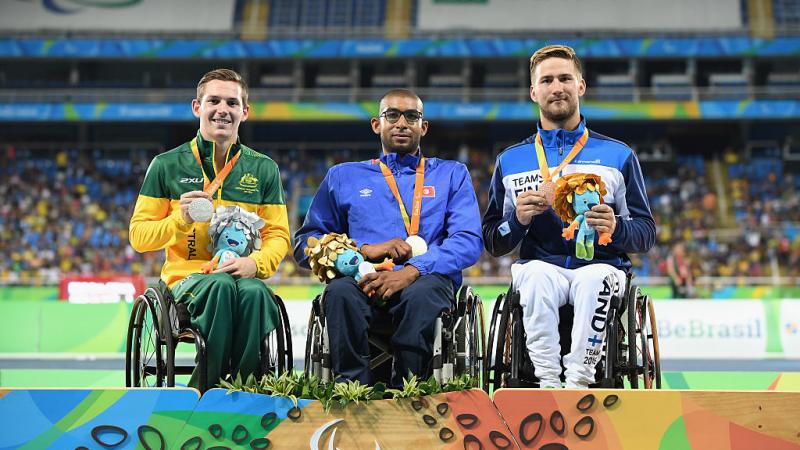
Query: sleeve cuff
(618, 229)
(181, 224)
(423, 267)
(515, 222)
(261, 267)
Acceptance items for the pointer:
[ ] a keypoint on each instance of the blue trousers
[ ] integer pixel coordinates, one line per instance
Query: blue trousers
(412, 313)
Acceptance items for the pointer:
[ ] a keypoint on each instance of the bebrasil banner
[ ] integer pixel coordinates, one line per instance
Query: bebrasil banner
(434, 110)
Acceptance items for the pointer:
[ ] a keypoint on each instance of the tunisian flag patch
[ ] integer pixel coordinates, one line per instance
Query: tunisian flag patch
(429, 191)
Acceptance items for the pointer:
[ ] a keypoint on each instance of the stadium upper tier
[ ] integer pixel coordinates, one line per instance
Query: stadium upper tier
(628, 47)
(460, 79)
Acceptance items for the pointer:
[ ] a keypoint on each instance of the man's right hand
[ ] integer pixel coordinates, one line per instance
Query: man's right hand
(397, 249)
(529, 205)
(187, 198)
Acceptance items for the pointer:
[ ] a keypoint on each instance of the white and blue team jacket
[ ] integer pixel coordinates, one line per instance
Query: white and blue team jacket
(355, 199)
(517, 170)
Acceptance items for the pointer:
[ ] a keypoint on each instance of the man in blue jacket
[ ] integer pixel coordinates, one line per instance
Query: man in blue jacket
(548, 275)
(379, 204)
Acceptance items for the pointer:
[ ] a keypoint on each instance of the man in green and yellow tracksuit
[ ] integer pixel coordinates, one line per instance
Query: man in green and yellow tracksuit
(230, 306)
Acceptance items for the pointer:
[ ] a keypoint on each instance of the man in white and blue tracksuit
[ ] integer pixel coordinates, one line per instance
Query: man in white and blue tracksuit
(356, 198)
(548, 274)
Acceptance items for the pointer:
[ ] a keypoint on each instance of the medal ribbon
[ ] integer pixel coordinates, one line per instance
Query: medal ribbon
(211, 187)
(546, 174)
(412, 226)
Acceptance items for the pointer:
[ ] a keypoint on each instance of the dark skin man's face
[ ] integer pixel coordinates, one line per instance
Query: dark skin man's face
(403, 136)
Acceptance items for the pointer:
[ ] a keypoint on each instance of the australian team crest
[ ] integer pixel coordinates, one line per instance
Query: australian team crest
(248, 183)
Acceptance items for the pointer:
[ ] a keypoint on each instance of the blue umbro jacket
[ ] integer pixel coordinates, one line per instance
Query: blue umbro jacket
(517, 169)
(355, 199)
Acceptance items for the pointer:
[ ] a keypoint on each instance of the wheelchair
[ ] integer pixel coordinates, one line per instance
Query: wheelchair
(457, 347)
(157, 325)
(630, 347)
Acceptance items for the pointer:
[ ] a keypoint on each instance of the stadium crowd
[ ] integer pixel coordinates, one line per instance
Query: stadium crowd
(68, 212)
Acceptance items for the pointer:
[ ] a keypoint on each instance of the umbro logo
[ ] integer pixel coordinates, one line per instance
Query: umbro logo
(191, 180)
(366, 192)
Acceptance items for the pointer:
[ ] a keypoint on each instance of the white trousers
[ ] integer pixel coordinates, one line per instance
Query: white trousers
(544, 288)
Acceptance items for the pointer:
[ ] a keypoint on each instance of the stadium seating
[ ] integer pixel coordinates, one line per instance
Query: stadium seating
(95, 199)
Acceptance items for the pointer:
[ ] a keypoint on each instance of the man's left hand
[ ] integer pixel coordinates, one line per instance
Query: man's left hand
(239, 267)
(385, 284)
(601, 218)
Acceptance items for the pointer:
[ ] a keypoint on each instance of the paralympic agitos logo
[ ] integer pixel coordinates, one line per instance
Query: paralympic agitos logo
(75, 6)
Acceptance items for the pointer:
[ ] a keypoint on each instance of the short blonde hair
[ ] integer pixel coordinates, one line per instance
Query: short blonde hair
(222, 75)
(554, 51)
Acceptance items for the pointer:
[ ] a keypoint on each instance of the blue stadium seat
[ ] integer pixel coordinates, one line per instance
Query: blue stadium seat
(313, 13)
(284, 14)
(339, 14)
(369, 13)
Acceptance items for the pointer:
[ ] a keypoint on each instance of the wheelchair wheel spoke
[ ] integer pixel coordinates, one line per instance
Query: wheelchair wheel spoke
(653, 343)
(643, 358)
(149, 365)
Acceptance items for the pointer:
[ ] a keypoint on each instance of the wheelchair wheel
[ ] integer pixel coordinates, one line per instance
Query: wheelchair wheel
(642, 372)
(276, 351)
(653, 338)
(488, 355)
(469, 334)
(497, 359)
(317, 356)
(613, 361)
(144, 366)
(167, 322)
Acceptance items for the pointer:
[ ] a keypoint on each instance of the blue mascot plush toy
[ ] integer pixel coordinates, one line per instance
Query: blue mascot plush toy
(234, 232)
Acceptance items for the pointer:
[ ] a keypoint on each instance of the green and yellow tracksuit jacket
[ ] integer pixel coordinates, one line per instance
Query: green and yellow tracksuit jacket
(254, 184)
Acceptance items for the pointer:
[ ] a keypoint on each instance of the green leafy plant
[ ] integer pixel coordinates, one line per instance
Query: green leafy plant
(351, 391)
(411, 388)
(295, 385)
(461, 383)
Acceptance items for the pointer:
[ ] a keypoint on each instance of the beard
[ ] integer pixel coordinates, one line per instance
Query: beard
(559, 114)
(401, 149)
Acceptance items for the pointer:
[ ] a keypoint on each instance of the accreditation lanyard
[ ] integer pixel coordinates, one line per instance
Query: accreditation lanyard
(412, 225)
(211, 187)
(546, 174)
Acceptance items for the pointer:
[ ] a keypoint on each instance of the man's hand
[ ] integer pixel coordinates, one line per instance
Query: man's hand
(239, 267)
(187, 198)
(396, 249)
(385, 284)
(601, 218)
(529, 205)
